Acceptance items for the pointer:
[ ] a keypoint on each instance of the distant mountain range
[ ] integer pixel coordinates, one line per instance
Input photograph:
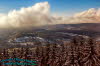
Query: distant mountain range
(50, 33)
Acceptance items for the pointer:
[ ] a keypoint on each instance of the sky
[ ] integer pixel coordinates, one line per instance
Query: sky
(60, 7)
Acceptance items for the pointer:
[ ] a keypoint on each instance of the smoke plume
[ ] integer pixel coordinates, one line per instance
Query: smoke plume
(39, 15)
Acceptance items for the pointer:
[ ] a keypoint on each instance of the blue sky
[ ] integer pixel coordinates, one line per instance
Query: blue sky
(57, 6)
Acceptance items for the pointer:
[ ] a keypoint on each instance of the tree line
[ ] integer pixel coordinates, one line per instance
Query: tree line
(79, 52)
